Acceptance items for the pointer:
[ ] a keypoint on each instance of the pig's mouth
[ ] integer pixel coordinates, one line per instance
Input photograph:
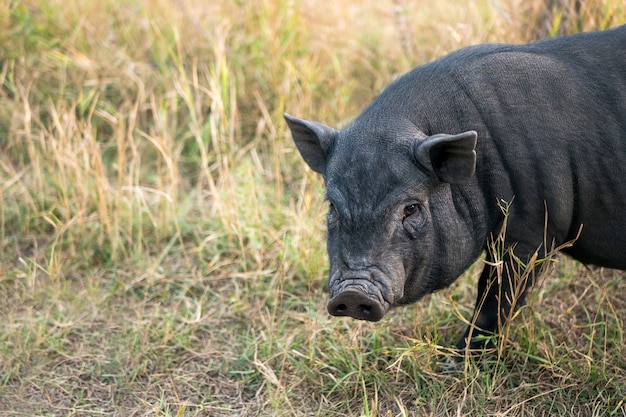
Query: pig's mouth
(358, 298)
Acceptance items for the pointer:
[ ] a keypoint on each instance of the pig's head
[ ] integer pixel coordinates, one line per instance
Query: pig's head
(392, 224)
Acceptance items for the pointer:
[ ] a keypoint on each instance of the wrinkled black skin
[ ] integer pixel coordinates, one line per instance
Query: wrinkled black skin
(550, 118)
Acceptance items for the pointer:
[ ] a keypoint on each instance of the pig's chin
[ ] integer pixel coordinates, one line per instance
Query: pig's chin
(410, 299)
(360, 294)
(418, 283)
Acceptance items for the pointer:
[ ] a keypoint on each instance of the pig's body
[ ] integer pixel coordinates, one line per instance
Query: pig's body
(414, 200)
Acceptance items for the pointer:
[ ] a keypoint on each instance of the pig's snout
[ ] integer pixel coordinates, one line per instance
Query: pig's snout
(356, 304)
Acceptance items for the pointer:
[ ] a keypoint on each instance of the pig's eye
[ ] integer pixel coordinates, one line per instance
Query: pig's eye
(413, 219)
(410, 209)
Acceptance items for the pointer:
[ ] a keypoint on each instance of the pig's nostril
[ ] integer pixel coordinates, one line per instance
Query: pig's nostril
(365, 309)
(341, 308)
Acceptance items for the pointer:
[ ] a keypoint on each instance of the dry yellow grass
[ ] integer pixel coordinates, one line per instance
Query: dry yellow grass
(163, 245)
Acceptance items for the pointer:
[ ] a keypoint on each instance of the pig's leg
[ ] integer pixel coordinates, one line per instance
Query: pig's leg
(500, 290)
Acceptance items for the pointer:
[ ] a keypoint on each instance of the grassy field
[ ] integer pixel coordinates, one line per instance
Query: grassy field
(162, 244)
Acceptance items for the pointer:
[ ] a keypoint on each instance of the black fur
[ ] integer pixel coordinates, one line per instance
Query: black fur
(550, 119)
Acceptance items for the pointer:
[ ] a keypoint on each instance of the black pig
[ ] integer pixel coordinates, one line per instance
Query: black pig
(416, 182)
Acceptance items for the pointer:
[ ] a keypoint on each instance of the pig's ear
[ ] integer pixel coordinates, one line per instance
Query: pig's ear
(313, 140)
(451, 157)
